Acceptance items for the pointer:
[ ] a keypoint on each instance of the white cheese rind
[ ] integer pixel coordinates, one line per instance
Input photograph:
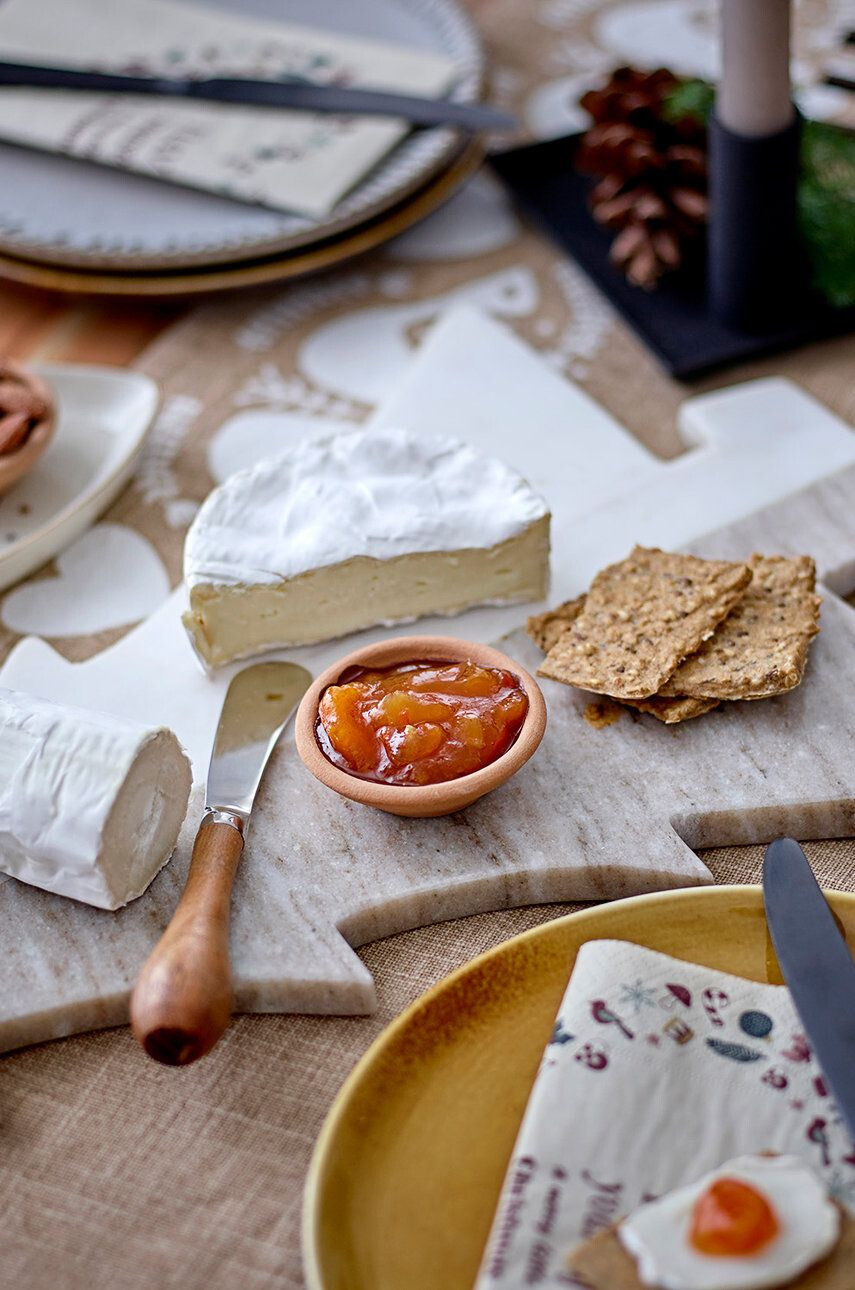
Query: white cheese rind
(90, 805)
(373, 493)
(373, 526)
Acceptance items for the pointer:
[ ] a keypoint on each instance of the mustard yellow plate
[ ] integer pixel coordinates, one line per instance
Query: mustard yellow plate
(408, 1167)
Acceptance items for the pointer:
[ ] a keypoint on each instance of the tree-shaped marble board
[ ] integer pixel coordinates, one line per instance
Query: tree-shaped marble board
(597, 813)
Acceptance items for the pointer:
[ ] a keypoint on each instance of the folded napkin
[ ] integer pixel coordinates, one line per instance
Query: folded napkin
(657, 1072)
(294, 161)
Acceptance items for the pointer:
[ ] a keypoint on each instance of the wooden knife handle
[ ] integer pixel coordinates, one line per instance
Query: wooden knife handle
(183, 999)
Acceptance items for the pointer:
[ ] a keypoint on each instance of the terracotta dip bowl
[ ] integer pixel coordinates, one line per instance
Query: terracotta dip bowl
(428, 800)
(27, 421)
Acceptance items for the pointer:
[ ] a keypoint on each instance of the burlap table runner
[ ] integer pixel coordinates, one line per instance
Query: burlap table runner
(114, 1171)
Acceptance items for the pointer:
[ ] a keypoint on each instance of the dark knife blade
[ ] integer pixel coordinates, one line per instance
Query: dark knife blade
(287, 93)
(817, 964)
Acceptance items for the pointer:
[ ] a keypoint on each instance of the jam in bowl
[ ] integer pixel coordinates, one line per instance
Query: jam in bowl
(420, 726)
(421, 722)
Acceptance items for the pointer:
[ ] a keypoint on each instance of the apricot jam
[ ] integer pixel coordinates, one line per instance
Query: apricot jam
(732, 1219)
(422, 722)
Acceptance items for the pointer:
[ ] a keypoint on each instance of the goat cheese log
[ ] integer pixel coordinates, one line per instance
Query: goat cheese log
(90, 805)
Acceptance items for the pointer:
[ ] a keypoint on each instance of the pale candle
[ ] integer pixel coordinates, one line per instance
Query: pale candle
(754, 94)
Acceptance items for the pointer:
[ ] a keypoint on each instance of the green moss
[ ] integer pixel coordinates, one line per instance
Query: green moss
(826, 191)
(827, 208)
(690, 98)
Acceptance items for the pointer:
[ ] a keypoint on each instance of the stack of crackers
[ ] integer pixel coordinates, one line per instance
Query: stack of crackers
(674, 635)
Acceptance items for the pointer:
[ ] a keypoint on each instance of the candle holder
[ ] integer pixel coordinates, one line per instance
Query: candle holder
(756, 266)
(693, 326)
(756, 263)
(750, 294)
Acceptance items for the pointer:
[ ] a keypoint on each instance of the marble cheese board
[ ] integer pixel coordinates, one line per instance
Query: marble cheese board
(596, 814)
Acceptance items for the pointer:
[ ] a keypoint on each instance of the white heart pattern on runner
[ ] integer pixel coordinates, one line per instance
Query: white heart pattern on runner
(109, 577)
(362, 353)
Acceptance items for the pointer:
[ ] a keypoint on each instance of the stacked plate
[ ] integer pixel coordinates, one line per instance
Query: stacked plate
(121, 234)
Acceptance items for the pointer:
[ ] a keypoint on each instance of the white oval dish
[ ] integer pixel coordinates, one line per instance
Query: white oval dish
(103, 417)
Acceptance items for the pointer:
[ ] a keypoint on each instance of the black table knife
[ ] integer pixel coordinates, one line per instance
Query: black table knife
(286, 93)
(817, 966)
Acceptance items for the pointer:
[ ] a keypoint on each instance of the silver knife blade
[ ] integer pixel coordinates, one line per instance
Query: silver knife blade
(817, 964)
(258, 705)
(290, 93)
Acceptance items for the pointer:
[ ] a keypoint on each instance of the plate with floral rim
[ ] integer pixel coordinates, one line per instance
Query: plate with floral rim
(113, 220)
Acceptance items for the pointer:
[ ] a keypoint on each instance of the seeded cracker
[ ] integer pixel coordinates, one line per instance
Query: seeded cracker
(761, 649)
(603, 1263)
(672, 710)
(640, 620)
(544, 629)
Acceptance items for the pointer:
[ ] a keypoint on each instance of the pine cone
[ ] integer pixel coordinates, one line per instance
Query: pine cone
(630, 95)
(652, 173)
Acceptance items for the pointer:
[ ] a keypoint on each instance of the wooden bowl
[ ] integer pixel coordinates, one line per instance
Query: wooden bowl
(14, 465)
(420, 801)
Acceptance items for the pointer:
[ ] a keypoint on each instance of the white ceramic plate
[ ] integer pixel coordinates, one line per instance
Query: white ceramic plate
(104, 416)
(107, 219)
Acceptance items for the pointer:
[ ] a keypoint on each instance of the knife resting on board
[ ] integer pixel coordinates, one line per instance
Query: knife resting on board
(183, 998)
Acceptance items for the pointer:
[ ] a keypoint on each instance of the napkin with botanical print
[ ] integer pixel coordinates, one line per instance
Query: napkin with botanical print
(303, 162)
(657, 1072)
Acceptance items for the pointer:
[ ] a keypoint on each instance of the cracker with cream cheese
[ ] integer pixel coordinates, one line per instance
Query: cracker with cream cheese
(602, 1263)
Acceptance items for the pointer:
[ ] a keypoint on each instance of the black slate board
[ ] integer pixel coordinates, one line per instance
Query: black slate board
(672, 320)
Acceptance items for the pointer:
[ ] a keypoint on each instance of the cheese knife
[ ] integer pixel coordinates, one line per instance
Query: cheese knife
(183, 999)
(817, 964)
(288, 92)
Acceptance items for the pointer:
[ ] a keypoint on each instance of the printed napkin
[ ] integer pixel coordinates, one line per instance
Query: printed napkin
(294, 161)
(657, 1071)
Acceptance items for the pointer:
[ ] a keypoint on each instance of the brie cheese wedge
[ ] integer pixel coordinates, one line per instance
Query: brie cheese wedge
(90, 805)
(373, 526)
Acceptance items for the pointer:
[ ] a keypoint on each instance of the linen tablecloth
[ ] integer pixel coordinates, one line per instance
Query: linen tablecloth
(117, 1172)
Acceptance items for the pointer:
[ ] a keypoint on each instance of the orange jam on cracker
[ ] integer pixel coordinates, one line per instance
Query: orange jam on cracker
(422, 722)
(732, 1219)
